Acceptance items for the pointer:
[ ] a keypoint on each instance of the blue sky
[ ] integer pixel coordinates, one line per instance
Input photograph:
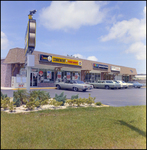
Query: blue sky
(105, 31)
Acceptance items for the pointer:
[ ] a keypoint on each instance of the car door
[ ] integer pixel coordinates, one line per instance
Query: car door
(70, 85)
(102, 84)
(98, 84)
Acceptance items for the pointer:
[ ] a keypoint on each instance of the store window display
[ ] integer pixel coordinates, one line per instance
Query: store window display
(46, 76)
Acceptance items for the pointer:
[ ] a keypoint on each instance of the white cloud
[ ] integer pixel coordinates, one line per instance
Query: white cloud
(79, 56)
(139, 49)
(132, 30)
(93, 58)
(71, 15)
(127, 31)
(4, 41)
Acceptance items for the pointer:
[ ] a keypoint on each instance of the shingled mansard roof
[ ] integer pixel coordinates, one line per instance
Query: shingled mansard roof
(17, 55)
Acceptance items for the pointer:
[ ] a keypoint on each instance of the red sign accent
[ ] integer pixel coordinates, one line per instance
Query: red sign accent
(40, 73)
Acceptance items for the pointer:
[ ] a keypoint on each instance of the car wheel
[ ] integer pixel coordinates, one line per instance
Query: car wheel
(58, 87)
(139, 87)
(106, 87)
(75, 89)
(84, 90)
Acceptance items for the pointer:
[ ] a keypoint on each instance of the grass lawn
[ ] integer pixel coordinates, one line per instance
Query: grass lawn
(83, 128)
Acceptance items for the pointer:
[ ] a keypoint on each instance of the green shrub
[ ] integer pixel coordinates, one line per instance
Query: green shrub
(5, 102)
(17, 101)
(55, 103)
(37, 104)
(78, 101)
(3, 95)
(42, 95)
(22, 95)
(90, 100)
(11, 106)
(60, 98)
(74, 96)
(98, 103)
(30, 104)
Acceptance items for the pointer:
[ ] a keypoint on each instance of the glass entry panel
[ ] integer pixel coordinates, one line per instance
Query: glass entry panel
(33, 78)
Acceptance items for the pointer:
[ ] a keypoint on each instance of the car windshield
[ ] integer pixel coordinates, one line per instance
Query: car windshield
(117, 81)
(79, 82)
(123, 82)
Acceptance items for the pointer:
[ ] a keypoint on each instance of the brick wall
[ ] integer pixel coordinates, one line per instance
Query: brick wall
(5, 74)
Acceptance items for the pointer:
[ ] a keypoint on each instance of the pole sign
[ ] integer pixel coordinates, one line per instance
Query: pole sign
(30, 37)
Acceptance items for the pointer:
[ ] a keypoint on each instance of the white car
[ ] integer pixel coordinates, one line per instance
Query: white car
(75, 85)
(122, 83)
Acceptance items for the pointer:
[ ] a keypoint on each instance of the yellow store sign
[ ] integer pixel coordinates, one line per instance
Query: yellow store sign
(66, 61)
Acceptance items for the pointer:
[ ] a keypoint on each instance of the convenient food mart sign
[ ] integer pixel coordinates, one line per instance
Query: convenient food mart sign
(54, 59)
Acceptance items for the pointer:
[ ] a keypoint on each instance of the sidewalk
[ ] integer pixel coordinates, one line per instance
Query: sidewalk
(9, 88)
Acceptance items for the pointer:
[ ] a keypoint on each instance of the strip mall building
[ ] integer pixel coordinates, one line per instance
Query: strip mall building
(51, 67)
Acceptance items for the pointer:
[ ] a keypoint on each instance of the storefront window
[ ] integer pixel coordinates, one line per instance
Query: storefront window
(92, 77)
(46, 76)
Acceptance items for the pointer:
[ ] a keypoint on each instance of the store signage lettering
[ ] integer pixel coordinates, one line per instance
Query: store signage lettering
(113, 68)
(53, 59)
(100, 66)
(45, 58)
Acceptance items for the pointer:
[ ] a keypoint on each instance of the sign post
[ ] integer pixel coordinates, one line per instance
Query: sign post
(30, 42)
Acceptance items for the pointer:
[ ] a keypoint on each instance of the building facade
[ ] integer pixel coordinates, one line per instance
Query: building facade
(51, 67)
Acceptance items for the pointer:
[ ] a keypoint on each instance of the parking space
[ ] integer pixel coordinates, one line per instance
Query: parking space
(119, 97)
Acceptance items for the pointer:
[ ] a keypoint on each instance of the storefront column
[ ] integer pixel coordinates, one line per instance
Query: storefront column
(83, 74)
(102, 75)
(56, 69)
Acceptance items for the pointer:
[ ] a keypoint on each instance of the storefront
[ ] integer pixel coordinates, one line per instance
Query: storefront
(50, 68)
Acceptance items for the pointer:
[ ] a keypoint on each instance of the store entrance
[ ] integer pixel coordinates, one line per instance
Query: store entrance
(33, 79)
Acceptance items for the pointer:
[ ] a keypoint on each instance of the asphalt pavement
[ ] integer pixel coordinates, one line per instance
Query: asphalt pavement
(111, 97)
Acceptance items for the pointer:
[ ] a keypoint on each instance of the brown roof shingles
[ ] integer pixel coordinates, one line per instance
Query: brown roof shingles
(16, 55)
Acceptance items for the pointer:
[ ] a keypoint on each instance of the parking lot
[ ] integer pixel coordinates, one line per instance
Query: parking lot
(117, 97)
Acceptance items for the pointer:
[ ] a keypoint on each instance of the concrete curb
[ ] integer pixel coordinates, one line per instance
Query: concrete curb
(9, 88)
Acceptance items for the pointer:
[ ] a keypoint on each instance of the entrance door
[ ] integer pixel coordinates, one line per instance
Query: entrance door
(33, 78)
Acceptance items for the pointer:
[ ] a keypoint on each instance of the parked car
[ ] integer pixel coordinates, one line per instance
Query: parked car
(75, 85)
(123, 84)
(136, 84)
(106, 84)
